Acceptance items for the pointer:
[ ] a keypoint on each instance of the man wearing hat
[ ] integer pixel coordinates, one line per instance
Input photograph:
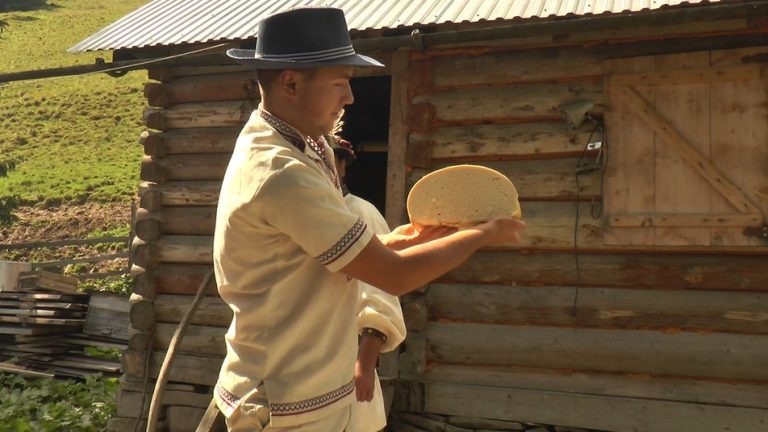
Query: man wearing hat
(288, 252)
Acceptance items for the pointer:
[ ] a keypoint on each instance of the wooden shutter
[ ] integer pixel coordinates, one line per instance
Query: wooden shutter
(688, 148)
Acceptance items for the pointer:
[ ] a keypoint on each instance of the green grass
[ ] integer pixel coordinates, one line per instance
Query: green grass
(72, 139)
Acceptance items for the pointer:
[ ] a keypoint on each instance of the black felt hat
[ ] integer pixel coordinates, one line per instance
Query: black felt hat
(300, 39)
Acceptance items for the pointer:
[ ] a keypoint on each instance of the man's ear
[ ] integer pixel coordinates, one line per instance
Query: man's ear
(288, 82)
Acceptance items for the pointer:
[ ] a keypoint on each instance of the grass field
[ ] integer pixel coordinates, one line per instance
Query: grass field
(72, 139)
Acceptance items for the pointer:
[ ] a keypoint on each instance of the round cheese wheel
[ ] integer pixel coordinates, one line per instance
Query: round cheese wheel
(462, 195)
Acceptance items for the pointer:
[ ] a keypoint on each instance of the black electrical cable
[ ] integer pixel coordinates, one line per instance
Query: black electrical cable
(602, 162)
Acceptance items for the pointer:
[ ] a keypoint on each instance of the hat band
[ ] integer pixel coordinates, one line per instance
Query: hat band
(324, 55)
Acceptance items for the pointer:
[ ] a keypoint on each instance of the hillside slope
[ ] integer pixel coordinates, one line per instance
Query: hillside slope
(73, 139)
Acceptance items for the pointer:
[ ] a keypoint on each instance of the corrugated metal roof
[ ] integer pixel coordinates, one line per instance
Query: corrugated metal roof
(171, 22)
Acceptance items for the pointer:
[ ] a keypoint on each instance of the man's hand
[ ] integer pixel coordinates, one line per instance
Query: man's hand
(409, 235)
(502, 230)
(364, 382)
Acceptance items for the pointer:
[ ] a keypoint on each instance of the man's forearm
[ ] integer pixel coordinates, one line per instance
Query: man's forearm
(400, 272)
(368, 351)
(426, 262)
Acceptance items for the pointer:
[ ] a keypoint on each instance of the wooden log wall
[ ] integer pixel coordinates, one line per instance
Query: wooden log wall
(193, 119)
(608, 336)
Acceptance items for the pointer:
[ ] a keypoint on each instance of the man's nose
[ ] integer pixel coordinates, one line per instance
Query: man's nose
(349, 98)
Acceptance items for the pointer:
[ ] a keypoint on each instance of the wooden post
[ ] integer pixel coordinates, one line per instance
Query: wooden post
(398, 140)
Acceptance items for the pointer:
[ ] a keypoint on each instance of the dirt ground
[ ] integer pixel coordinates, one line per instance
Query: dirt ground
(68, 222)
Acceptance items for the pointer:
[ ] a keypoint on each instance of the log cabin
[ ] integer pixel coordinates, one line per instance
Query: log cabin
(637, 135)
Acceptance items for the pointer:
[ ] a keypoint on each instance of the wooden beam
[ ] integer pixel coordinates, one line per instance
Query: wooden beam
(503, 142)
(589, 411)
(688, 154)
(198, 339)
(685, 220)
(541, 180)
(747, 72)
(616, 269)
(518, 103)
(398, 140)
(745, 394)
(692, 354)
(726, 311)
(212, 311)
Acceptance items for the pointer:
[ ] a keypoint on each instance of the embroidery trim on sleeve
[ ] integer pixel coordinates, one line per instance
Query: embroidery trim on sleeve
(228, 398)
(312, 404)
(343, 244)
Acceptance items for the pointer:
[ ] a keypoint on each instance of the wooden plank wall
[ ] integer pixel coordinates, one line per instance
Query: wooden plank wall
(618, 337)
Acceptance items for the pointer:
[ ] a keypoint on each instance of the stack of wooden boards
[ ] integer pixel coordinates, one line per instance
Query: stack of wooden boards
(46, 327)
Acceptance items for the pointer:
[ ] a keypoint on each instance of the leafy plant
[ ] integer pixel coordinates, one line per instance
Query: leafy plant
(123, 284)
(49, 405)
(8, 204)
(103, 353)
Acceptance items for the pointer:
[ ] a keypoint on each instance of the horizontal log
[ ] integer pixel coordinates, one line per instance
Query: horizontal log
(202, 167)
(197, 339)
(589, 411)
(507, 103)
(141, 340)
(171, 397)
(537, 179)
(187, 220)
(514, 67)
(185, 249)
(199, 114)
(183, 418)
(147, 224)
(706, 272)
(745, 394)
(212, 311)
(716, 74)
(186, 368)
(186, 141)
(415, 314)
(121, 424)
(173, 279)
(634, 220)
(183, 193)
(704, 355)
(141, 313)
(600, 307)
(203, 88)
(173, 249)
(167, 74)
(516, 141)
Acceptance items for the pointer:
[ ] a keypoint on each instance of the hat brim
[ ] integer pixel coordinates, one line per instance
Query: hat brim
(251, 59)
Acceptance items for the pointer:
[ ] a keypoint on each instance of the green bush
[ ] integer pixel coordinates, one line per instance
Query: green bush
(8, 204)
(48, 405)
(120, 285)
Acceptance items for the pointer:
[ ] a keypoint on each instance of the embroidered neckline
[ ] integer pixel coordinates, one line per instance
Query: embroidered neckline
(292, 135)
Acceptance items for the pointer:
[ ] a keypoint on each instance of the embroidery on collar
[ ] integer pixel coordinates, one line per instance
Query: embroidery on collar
(288, 132)
(292, 136)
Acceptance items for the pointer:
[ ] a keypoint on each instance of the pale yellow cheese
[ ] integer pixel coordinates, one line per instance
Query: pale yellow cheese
(462, 195)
